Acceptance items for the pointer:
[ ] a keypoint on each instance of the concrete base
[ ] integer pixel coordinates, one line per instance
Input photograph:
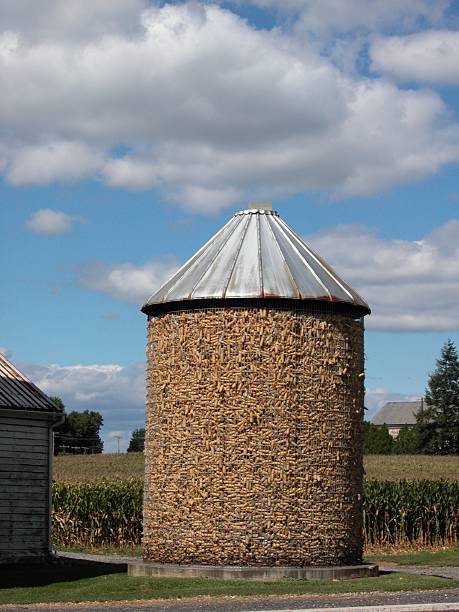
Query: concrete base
(263, 573)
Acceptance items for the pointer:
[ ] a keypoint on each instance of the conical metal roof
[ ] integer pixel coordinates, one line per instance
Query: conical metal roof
(255, 255)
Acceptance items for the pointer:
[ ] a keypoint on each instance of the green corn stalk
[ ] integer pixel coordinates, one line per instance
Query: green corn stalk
(97, 514)
(395, 513)
(422, 511)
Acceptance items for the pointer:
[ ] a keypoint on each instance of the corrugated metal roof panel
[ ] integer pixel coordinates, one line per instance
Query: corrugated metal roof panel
(187, 277)
(330, 280)
(277, 279)
(256, 255)
(308, 283)
(17, 391)
(216, 277)
(245, 274)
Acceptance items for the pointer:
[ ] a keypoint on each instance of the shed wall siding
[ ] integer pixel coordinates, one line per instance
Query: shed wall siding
(24, 487)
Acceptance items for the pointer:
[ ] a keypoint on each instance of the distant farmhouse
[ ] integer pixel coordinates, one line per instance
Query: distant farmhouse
(397, 415)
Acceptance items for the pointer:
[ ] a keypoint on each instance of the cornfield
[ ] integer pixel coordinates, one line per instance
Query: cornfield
(395, 513)
(97, 514)
(424, 512)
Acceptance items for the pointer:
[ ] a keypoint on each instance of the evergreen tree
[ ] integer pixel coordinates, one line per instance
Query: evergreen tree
(376, 439)
(137, 442)
(438, 420)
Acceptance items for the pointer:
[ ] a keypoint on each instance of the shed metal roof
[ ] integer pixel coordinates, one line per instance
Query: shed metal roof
(256, 255)
(397, 413)
(18, 392)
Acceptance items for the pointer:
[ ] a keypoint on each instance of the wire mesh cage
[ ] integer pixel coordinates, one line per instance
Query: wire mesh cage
(253, 434)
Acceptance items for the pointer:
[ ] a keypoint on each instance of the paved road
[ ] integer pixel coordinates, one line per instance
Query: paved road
(245, 604)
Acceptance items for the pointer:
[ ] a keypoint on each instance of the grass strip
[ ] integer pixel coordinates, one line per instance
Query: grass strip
(440, 558)
(116, 551)
(74, 583)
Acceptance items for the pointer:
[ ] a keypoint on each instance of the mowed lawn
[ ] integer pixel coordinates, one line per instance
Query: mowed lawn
(102, 582)
(85, 468)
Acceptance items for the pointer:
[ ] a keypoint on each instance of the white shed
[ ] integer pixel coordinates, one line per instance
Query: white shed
(27, 418)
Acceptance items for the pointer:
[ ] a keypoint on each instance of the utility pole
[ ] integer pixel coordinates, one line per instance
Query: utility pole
(118, 440)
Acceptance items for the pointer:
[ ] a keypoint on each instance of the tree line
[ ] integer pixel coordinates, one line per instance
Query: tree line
(436, 431)
(79, 433)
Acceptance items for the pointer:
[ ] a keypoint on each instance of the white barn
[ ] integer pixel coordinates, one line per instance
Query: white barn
(27, 418)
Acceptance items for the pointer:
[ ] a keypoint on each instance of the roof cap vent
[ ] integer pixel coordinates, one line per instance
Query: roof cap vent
(260, 206)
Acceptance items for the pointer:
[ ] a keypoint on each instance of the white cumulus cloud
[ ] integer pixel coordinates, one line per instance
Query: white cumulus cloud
(52, 222)
(430, 57)
(39, 164)
(72, 21)
(373, 14)
(116, 391)
(409, 285)
(347, 15)
(127, 281)
(191, 100)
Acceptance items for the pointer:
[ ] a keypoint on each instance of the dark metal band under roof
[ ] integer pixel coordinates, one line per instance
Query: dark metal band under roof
(308, 307)
(255, 255)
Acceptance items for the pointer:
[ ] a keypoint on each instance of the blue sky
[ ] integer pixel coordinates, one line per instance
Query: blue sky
(131, 131)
